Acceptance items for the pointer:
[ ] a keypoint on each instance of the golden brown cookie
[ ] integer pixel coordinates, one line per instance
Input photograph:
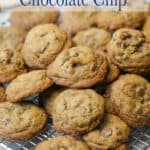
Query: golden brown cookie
(94, 38)
(112, 20)
(78, 67)
(146, 29)
(97, 39)
(43, 44)
(27, 19)
(20, 121)
(27, 84)
(48, 97)
(77, 111)
(62, 142)
(129, 98)
(2, 94)
(73, 21)
(130, 50)
(109, 135)
(11, 61)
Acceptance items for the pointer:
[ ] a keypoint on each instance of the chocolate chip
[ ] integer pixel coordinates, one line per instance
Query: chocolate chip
(107, 132)
(140, 91)
(7, 121)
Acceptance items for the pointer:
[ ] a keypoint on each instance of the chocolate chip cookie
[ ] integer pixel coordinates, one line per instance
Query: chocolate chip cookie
(2, 94)
(48, 97)
(42, 45)
(77, 111)
(74, 20)
(109, 135)
(130, 50)
(94, 38)
(129, 98)
(27, 19)
(62, 142)
(78, 67)
(112, 20)
(27, 84)
(11, 61)
(20, 121)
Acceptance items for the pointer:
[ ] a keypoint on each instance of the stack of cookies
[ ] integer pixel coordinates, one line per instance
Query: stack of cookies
(90, 69)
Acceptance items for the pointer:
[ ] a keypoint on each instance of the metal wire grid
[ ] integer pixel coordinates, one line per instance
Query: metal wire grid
(139, 138)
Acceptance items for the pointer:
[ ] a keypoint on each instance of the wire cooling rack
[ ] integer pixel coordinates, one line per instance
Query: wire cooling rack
(139, 138)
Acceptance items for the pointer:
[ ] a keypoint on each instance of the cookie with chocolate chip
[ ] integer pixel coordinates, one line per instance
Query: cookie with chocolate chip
(113, 20)
(129, 98)
(43, 43)
(95, 38)
(111, 134)
(78, 67)
(73, 20)
(27, 18)
(20, 121)
(62, 142)
(11, 60)
(130, 50)
(28, 84)
(77, 111)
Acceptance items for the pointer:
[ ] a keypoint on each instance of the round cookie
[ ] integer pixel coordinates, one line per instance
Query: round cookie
(27, 84)
(78, 67)
(94, 38)
(73, 21)
(146, 29)
(48, 97)
(62, 142)
(129, 98)
(111, 20)
(127, 48)
(77, 111)
(109, 135)
(43, 43)
(2, 94)
(27, 19)
(20, 121)
(11, 61)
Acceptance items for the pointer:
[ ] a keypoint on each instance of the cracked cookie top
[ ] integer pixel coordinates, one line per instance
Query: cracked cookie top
(11, 61)
(27, 84)
(130, 96)
(78, 67)
(20, 121)
(130, 50)
(77, 111)
(43, 43)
